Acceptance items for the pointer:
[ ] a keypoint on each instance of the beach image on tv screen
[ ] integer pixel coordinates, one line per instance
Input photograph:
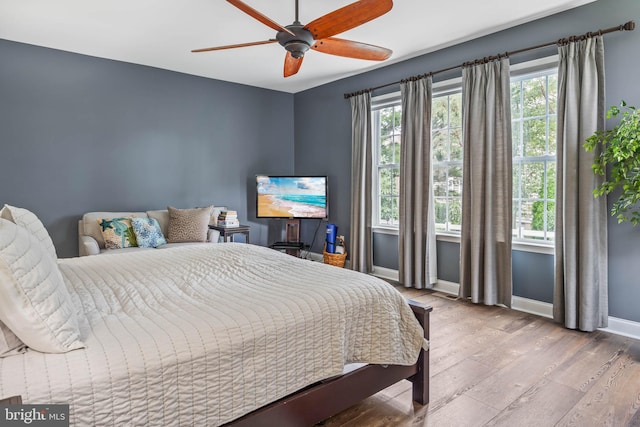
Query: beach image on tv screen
(292, 197)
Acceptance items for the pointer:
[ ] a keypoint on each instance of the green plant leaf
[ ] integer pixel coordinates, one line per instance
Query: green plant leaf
(618, 150)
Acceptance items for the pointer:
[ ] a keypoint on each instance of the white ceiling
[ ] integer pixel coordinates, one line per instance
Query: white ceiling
(162, 33)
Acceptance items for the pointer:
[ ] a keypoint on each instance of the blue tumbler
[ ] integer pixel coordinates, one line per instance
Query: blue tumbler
(332, 233)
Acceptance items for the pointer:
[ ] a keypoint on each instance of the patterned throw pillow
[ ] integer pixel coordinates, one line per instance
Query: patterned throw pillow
(148, 232)
(117, 233)
(189, 225)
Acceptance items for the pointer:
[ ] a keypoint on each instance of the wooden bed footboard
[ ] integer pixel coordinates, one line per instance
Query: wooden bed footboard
(322, 400)
(420, 379)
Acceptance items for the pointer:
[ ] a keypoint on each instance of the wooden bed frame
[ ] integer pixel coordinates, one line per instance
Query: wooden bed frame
(318, 402)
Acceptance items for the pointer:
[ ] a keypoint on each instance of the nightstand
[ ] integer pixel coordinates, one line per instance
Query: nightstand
(228, 232)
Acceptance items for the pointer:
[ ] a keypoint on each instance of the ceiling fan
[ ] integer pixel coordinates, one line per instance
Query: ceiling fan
(297, 39)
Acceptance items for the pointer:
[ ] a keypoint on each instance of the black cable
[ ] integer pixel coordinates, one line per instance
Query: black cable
(315, 234)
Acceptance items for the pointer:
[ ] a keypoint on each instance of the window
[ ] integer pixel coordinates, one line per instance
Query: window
(533, 114)
(533, 123)
(387, 121)
(446, 155)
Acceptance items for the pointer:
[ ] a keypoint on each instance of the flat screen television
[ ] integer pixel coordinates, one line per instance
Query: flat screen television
(293, 197)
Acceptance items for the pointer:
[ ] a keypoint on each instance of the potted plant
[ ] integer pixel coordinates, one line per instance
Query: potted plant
(620, 152)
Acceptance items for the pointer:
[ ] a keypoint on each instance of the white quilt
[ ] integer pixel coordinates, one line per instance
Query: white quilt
(200, 335)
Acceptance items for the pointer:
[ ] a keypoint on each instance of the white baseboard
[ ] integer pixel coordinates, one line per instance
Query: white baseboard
(385, 273)
(390, 274)
(532, 306)
(446, 287)
(626, 328)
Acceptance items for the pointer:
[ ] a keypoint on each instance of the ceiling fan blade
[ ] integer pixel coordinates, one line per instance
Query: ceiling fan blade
(291, 64)
(351, 49)
(233, 46)
(259, 16)
(348, 17)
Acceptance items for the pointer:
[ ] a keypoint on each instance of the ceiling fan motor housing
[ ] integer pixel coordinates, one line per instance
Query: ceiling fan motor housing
(297, 44)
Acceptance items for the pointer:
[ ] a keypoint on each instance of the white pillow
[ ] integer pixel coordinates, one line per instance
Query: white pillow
(27, 219)
(34, 301)
(10, 344)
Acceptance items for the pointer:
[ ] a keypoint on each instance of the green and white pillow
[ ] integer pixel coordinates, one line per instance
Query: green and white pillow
(117, 233)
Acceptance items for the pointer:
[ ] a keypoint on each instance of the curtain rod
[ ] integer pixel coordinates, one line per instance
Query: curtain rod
(629, 26)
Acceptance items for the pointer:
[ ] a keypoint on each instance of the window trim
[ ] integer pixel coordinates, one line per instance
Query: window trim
(381, 102)
(516, 245)
(528, 70)
(445, 89)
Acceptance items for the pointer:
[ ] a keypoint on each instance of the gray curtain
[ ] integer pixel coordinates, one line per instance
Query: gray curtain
(485, 245)
(361, 252)
(580, 297)
(417, 236)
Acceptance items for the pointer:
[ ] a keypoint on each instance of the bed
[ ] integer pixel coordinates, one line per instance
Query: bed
(226, 334)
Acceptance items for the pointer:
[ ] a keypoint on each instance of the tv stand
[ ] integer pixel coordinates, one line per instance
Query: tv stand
(293, 236)
(287, 245)
(293, 230)
(293, 245)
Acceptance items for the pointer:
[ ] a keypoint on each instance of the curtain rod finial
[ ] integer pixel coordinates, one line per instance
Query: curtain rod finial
(630, 26)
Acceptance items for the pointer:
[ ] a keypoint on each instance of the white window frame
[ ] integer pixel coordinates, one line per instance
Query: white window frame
(379, 103)
(445, 88)
(519, 72)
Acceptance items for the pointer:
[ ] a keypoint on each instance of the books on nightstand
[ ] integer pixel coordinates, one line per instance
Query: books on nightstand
(228, 219)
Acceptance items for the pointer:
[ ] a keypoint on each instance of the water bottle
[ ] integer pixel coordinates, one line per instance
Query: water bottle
(332, 232)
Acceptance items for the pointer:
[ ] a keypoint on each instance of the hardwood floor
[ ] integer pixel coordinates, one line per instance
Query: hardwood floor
(492, 366)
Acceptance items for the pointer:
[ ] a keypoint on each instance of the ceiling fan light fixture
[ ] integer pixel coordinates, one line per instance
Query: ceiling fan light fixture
(297, 48)
(297, 44)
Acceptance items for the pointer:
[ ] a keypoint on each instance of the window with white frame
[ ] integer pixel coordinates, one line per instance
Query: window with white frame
(533, 105)
(446, 159)
(533, 124)
(387, 122)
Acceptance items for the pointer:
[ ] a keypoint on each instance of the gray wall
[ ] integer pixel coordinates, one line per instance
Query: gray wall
(82, 134)
(323, 132)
